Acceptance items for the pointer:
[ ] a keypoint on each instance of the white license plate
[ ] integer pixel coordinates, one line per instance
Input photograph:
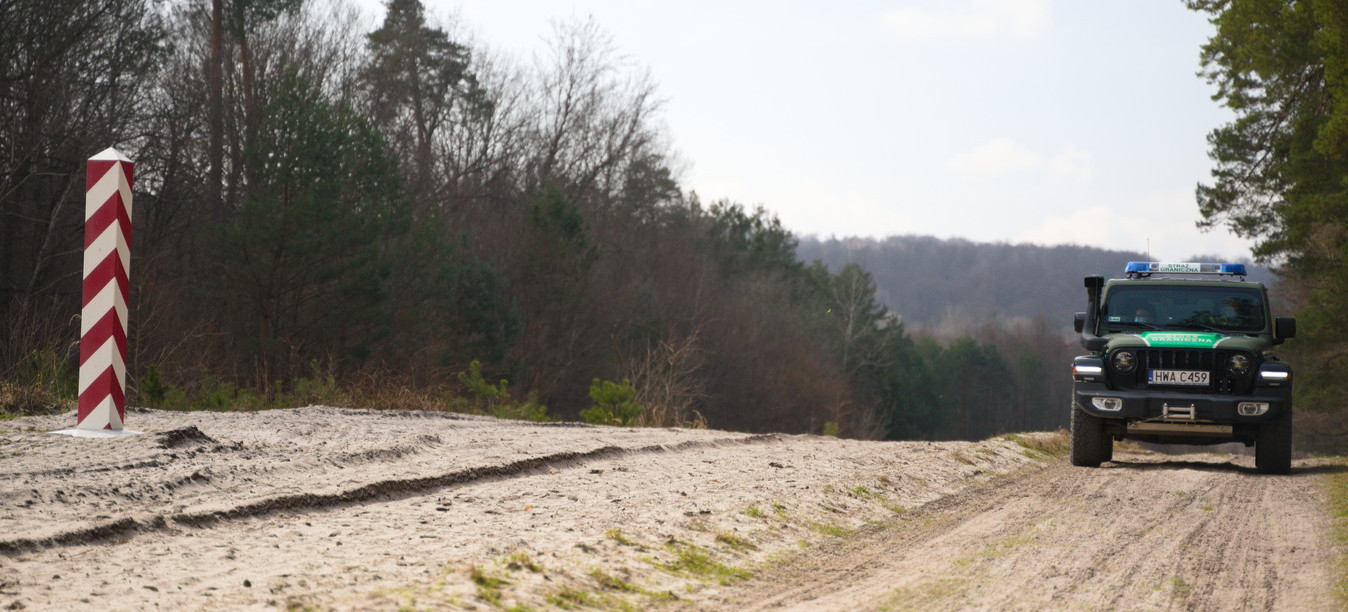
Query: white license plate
(1176, 377)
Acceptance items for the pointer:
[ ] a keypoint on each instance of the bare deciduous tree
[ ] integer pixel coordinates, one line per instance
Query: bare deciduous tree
(68, 74)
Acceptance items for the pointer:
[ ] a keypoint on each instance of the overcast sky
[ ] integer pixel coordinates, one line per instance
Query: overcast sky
(1044, 121)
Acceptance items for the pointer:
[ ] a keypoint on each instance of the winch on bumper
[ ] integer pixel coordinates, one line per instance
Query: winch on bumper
(1097, 399)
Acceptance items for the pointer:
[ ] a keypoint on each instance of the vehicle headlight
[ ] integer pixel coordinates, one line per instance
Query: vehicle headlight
(1125, 362)
(1238, 364)
(1275, 377)
(1087, 370)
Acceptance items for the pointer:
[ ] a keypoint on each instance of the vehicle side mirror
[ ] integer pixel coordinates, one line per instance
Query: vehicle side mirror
(1284, 328)
(1079, 322)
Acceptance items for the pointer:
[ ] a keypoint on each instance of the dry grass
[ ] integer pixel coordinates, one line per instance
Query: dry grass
(18, 400)
(1047, 445)
(1336, 485)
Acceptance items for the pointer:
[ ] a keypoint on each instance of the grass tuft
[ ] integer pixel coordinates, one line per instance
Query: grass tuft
(693, 561)
(829, 529)
(568, 598)
(735, 542)
(609, 582)
(618, 536)
(488, 587)
(1052, 446)
(521, 560)
(613, 583)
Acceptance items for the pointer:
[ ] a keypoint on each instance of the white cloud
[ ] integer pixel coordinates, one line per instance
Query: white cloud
(1082, 226)
(1002, 157)
(824, 208)
(820, 206)
(1072, 164)
(972, 19)
(993, 159)
(1161, 221)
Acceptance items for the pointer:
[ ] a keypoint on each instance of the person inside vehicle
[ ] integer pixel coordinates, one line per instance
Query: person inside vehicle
(1143, 314)
(1231, 311)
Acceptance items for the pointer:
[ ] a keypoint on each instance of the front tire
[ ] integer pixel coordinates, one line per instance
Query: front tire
(1273, 446)
(1091, 446)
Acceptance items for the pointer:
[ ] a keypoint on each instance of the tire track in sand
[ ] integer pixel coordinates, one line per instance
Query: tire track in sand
(381, 489)
(1147, 532)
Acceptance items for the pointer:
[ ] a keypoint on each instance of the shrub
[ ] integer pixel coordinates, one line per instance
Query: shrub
(484, 397)
(614, 404)
(319, 388)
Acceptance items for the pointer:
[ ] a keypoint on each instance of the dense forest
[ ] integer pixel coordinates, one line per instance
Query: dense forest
(396, 218)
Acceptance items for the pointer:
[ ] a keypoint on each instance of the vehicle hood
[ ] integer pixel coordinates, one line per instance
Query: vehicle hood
(1187, 340)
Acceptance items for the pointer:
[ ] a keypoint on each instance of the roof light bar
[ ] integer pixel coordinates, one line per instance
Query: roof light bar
(1148, 268)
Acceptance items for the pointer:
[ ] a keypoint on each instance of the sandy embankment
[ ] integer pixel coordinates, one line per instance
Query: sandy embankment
(357, 509)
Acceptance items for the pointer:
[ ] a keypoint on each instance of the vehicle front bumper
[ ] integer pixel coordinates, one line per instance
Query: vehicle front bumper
(1151, 404)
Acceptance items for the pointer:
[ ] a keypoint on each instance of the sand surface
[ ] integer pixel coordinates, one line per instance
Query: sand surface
(356, 509)
(1199, 532)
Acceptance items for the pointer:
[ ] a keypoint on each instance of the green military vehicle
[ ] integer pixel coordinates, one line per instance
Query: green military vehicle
(1181, 353)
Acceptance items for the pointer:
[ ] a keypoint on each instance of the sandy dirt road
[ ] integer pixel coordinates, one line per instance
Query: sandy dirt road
(1146, 532)
(323, 508)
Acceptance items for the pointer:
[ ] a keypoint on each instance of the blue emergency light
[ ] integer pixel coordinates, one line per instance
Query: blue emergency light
(1148, 268)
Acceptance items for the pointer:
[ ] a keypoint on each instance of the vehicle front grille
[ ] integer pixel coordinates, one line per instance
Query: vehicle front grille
(1178, 359)
(1220, 380)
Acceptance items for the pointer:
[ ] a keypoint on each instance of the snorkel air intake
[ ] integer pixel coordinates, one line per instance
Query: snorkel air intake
(1089, 340)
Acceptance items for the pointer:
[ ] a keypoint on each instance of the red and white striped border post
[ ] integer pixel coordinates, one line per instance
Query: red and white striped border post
(107, 261)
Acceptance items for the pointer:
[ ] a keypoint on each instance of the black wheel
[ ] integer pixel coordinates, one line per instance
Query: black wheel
(1273, 446)
(1090, 445)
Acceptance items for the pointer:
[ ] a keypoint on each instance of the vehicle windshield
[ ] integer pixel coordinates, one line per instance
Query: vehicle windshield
(1220, 308)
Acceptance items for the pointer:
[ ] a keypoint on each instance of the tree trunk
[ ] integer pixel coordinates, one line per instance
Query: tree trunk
(215, 84)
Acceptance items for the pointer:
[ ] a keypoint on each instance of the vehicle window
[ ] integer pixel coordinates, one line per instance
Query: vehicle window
(1223, 308)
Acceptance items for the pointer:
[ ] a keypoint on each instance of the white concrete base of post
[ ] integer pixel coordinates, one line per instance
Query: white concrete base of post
(97, 433)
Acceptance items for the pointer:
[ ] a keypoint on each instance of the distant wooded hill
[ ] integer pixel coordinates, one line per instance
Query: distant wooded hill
(952, 286)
